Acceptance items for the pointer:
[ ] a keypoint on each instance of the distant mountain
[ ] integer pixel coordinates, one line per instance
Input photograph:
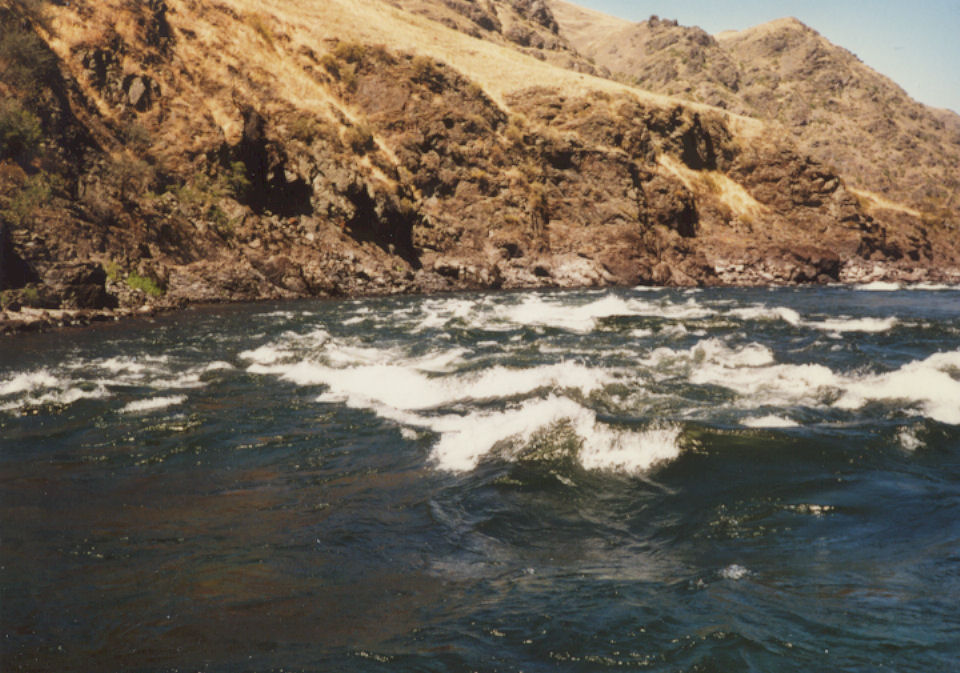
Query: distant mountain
(839, 110)
(172, 151)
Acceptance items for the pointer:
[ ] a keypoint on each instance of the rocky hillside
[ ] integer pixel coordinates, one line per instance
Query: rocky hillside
(837, 109)
(171, 151)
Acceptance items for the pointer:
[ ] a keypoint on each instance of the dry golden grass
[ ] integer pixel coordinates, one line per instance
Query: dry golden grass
(586, 26)
(720, 186)
(872, 202)
(253, 51)
(497, 69)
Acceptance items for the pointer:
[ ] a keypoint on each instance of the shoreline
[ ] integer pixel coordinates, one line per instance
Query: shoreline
(35, 320)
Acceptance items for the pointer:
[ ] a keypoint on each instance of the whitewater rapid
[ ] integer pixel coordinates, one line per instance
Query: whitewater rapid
(619, 375)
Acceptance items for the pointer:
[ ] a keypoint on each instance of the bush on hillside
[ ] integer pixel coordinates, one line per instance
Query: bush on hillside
(20, 132)
(25, 58)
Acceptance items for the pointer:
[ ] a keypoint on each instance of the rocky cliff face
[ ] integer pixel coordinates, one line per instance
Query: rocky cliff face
(178, 152)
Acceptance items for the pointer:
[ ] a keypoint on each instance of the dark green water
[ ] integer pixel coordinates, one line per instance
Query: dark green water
(729, 480)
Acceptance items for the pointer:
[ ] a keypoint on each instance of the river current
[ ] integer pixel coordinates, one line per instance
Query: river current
(660, 480)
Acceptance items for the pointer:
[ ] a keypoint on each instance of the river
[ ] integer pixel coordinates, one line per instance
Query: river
(662, 480)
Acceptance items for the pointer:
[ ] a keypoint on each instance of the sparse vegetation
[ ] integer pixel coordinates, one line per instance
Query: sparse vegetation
(424, 68)
(145, 284)
(308, 129)
(136, 135)
(205, 190)
(21, 195)
(539, 208)
(258, 22)
(24, 58)
(350, 52)
(130, 175)
(359, 138)
(330, 63)
(113, 271)
(30, 296)
(20, 132)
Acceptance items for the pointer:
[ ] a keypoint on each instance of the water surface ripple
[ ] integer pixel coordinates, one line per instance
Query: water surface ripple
(663, 480)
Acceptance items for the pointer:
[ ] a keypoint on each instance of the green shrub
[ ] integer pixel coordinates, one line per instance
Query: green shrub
(221, 222)
(112, 269)
(25, 58)
(20, 204)
(20, 132)
(233, 181)
(144, 284)
(205, 190)
(130, 175)
(30, 296)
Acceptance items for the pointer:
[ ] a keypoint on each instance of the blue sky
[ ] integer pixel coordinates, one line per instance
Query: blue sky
(916, 44)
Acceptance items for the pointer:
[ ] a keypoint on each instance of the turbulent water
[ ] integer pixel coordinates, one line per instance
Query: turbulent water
(664, 480)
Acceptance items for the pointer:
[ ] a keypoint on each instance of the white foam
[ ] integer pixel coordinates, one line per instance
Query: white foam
(153, 404)
(466, 439)
(749, 370)
(43, 387)
(931, 287)
(855, 324)
(439, 312)
(582, 319)
(713, 352)
(406, 388)
(189, 379)
(734, 572)
(134, 368)
(29, 381)
(770, 421)
(879, 286)
(792, 317)
(630, 452)
(265, 355)
(80, 379)
(675, 330)
(417, 392)
(929, 384)
(788, 315)
(908, 439)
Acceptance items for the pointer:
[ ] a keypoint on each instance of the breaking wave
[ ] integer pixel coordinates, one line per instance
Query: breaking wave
(104, 379)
